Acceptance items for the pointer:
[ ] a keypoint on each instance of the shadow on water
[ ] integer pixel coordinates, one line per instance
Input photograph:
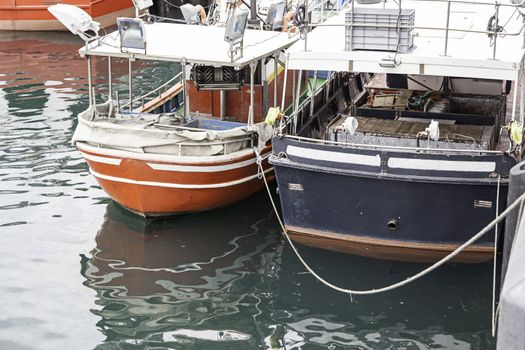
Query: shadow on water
(225, 280)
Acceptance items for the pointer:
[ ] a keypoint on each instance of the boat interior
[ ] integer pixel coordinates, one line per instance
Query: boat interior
(362, 109)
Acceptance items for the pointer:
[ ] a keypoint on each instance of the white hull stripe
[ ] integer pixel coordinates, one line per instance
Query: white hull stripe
(98, 159)
(337, 157)
(441, 165)
(174, 185)
(202, 169)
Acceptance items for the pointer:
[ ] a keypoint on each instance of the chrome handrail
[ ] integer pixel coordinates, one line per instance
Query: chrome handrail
(155, 91)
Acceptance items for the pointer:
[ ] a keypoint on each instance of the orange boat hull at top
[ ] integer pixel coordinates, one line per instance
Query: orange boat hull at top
(32, 15)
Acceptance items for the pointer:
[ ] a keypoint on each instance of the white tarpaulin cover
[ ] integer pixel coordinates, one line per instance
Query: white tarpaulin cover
(138, 133)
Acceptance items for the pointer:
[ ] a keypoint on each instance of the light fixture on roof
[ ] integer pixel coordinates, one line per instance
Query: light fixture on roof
(78, 21)
(235, 27)
(132, 34)
(275, 14)
(142, 5)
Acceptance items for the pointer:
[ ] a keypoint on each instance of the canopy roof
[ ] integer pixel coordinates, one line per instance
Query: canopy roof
(468, 54)
(193, 43)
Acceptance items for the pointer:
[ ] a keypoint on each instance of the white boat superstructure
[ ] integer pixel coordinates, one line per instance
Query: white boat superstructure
(450, 39)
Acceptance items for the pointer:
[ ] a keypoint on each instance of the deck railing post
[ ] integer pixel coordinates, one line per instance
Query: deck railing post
(447, 27)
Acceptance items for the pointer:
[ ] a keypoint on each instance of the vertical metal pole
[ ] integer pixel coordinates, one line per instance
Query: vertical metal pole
(297, 101)
(446, 28)
(293, 88)
(351, 48)
(252, 93)
(110, 80)
(306, 25)
(90, 84)
(285, 82)
(514, 99)
(184, 90)
(312, 97)
(275, 78)
(522, 103)
(223, 104)
(523, 44)
(328, 84)
(495, 31)
(130, 85)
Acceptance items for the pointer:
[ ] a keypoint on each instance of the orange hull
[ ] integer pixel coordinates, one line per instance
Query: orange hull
(33, 15)
(153, 185)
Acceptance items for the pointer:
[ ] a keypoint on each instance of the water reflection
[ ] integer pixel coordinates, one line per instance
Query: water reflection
(224, 279)
(207, 273)
(449, 309)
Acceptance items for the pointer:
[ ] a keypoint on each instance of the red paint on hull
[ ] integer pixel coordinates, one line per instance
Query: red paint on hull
(137, 186)
(33, 14)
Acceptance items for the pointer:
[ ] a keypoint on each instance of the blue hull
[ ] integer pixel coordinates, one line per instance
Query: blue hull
(360, 201)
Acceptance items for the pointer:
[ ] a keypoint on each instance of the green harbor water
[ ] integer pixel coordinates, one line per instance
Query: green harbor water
(79, 272)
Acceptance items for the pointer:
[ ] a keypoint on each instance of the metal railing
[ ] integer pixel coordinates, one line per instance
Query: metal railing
(156, 93)
(494, 34)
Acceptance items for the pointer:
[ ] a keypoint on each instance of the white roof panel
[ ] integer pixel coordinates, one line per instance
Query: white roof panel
(468, 55)
(194, 43)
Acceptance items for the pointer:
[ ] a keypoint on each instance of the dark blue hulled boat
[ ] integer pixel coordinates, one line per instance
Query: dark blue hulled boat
(407, 168)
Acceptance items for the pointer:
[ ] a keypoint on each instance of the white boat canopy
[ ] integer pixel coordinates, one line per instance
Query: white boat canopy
(193, 44)
(468, 52)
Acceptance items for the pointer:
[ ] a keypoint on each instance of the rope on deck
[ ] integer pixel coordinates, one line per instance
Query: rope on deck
(399, 284)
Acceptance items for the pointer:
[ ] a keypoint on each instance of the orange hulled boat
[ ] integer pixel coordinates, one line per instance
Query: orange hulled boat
(32, 15)
(193, 143)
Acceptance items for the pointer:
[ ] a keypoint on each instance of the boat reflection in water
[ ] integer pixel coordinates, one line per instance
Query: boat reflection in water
(183, 280)
(224, 279)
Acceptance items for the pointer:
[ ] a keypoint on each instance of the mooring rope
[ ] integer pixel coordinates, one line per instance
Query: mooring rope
(399, 284)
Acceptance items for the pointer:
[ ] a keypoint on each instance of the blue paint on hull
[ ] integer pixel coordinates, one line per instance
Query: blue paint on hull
(359, 200)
